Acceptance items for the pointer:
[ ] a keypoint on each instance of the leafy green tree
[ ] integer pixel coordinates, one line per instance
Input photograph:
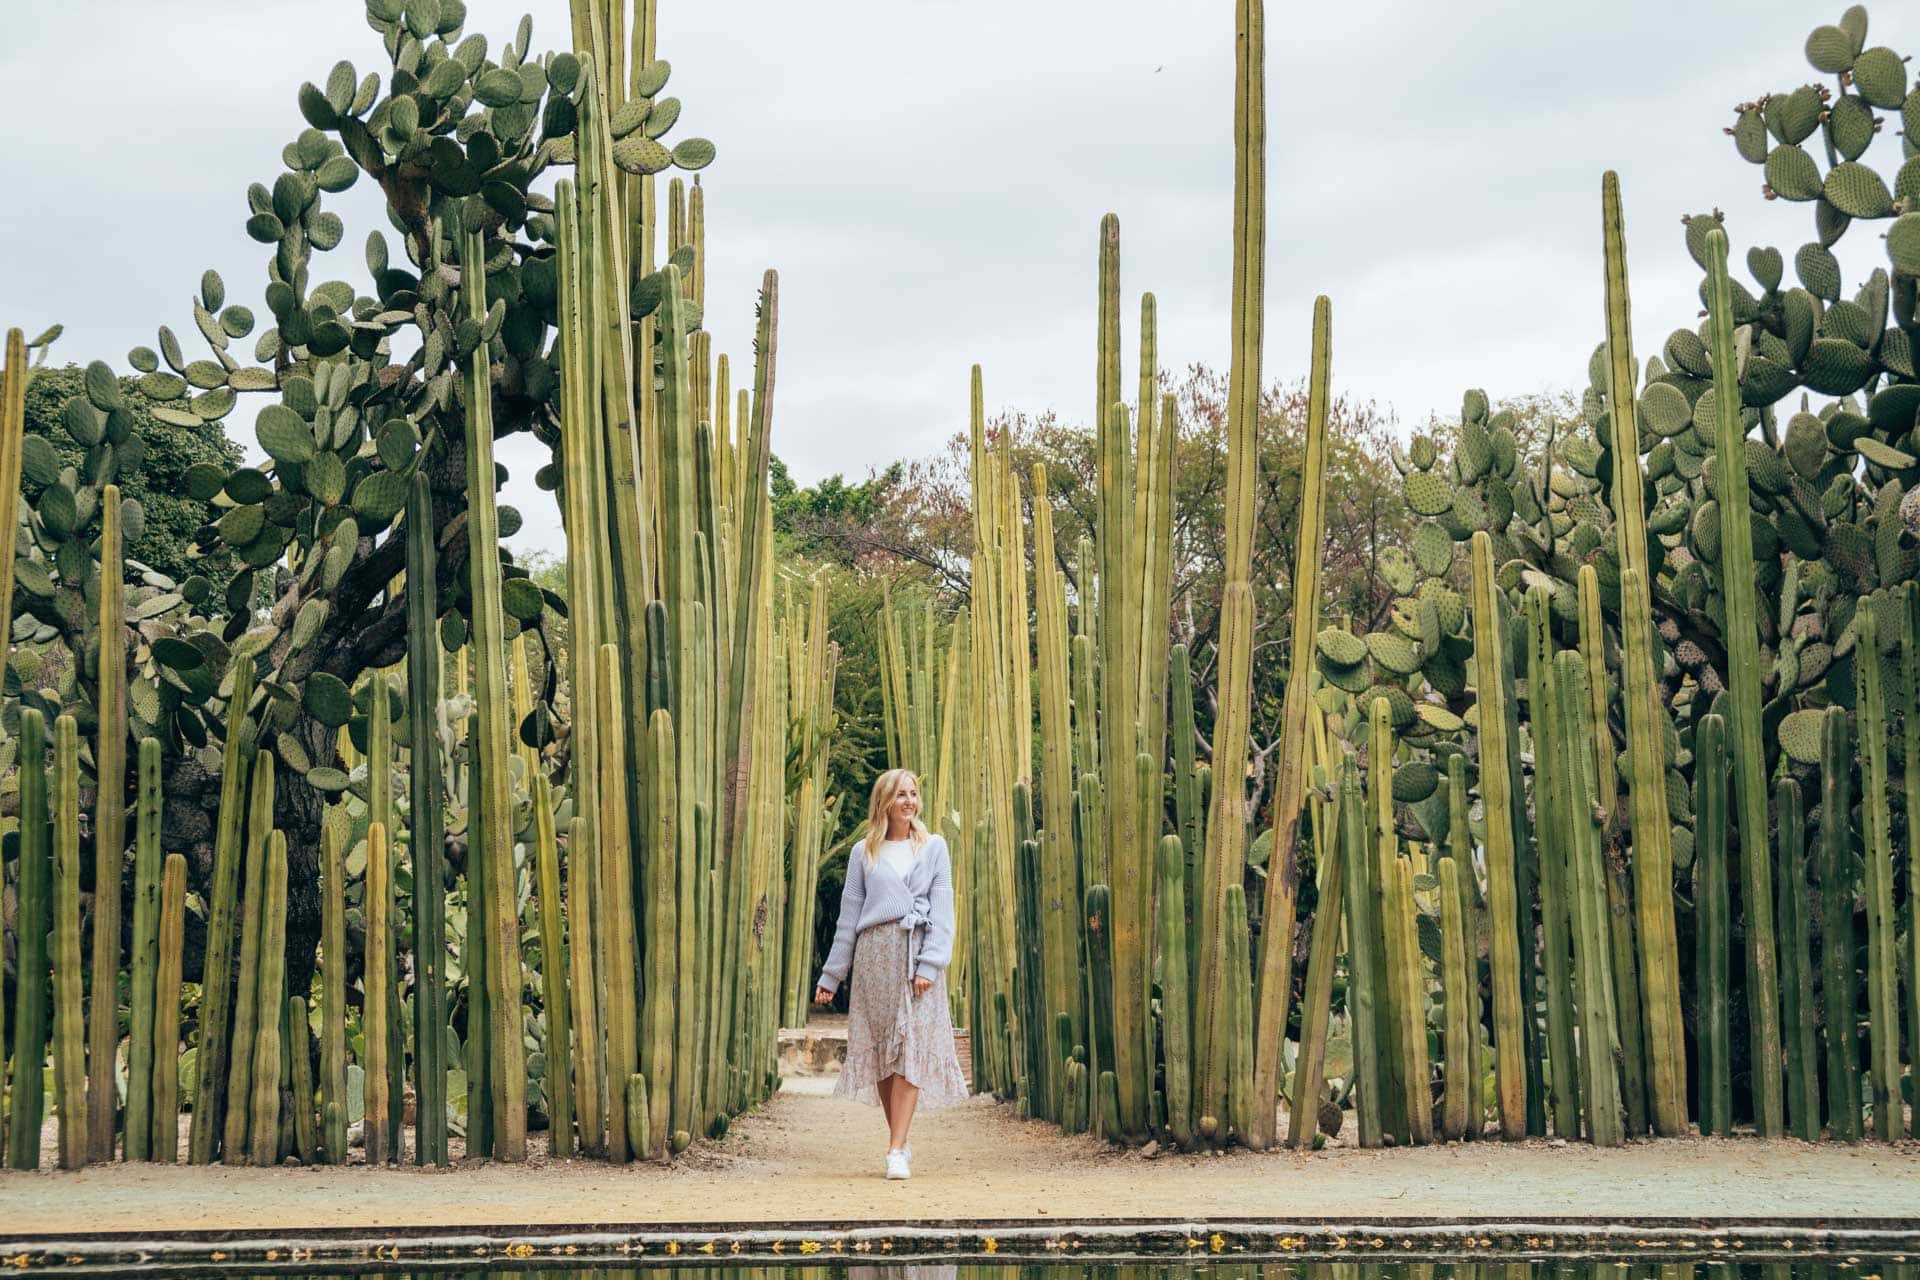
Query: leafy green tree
(153, 469)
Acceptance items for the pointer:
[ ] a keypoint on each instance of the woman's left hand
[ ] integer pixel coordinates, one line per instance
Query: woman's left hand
(922, 985)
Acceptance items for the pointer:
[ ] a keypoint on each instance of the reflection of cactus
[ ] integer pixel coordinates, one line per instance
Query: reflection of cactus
(30, 933)
(69, 1038)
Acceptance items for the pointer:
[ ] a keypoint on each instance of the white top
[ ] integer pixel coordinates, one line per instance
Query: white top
(897, 854)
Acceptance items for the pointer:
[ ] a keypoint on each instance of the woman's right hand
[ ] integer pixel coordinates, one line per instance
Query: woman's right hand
(822, 996)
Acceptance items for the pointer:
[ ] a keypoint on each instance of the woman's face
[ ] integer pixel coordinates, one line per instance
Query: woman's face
(906, 802)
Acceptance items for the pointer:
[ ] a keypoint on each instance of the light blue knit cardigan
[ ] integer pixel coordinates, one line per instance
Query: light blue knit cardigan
(878, 894)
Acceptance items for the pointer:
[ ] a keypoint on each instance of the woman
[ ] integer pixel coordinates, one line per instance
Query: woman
(895, 936)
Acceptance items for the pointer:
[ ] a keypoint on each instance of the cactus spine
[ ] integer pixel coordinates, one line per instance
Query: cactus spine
(216, 984)
(69, 1031)
(147, 870)
(1837, 886)
(1283, 862)
(1226, 824)
(1647, 784)
(166, 1021)
(1742, 631)
(1509, 1046)
(1883, 1000)
(30, 940)
(109, 832)
(264, 1125)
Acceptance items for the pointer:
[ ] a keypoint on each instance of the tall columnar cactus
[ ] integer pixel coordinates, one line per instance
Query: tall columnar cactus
(1647, 781)
(1509, 1046)
(490, 691)
(1882, 965)
(475, 959)
(375, 1010)
(380, 811)
(1840, 1014)
(582, 990)
(1316, 1007)
(1239, 1021)
(1712, 933)
(1742, 633)
(1366, 966)
(165, 1144)
(1226, 823)
(263, 1127)
(233, 1144)
(147, 870)
(30, 934)
(662, 932)
(216, 979)
(553, 972)
(299, 1055)
(1457, 1079)
(427, 818)
(1283, 861)
(1460, 842)
(1176, 1010)
(1586, 885)
(333, 996)
(1626, 984)
(1798, 1012)
(69, 1031)
(1910, 754)
(1552, 797)
(109, 833)
(13, 426)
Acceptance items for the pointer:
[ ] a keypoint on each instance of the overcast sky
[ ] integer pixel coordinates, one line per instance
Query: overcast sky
(928, 176)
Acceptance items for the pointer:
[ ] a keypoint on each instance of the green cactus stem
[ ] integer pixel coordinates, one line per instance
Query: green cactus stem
(300, 1060)
(31, 921)
(1383, 886)
(1283, 861)
(1366, 967)
(13, 426)
(480, 1060)
(1239, 1025)
(582, 990)
(1882, 968)
(233, 1145)
(613, 884)
(1509, 1045)
(380, 810)
(1460, 840)
(1592, 934)
(1647, 780)
(1620, 920)
(69, 1031)
(1552, 798)
(662, 992)
(1176, 1013)
(1456, 1076)
(1316, 1007)
(1838, 887)
(147, 870)
(1742, 632)
(165, 1145)
(1910, 755)
(263, 1127)
(1100, 973)
(428, 821)
(216, 985)
(1798, 1012)
(333, 994)
(109, 833)
(1226, 824)
(553, 972)
(374, 1006)
(1712, 932)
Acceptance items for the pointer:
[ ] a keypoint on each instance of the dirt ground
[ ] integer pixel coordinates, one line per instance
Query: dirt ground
(807, 1157)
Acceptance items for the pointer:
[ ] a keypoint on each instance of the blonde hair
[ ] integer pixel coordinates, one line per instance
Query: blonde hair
(885, 788)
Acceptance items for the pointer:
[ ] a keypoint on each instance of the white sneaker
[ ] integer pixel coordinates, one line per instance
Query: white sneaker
(897, 1166)
(907, 1151)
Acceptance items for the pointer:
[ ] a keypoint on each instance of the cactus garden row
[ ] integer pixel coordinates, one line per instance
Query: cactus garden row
(1612, 830)
(419, 849)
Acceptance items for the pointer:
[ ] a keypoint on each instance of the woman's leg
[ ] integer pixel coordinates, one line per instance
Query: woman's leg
(900, 1116)
(886, 1100)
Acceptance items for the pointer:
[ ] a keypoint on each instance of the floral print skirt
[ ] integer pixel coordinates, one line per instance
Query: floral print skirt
(892, 1031)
